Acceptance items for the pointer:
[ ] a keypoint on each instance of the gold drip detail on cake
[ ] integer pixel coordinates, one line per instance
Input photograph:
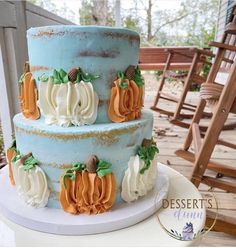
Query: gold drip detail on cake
(96, 134)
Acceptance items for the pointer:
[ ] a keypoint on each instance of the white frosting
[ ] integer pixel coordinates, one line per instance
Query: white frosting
(85, 111)
(135, 184)
(31, 185)
(66, 104)
(46, 102)
(61, 101)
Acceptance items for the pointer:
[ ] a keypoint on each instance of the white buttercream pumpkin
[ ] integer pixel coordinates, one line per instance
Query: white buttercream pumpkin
(31, 184)
(135, 184)
(68, 103)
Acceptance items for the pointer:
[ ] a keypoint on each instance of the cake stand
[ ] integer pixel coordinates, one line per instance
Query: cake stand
(56, 221)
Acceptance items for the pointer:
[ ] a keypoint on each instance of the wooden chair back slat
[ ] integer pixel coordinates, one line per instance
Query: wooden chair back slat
(154, 58)
(230, 39)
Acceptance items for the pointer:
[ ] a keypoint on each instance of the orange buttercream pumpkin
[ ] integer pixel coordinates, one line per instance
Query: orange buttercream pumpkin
(125, 103)
(28, 97)
(88, 193)
(11, 152)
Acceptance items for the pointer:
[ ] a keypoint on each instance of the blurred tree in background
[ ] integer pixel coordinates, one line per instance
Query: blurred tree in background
(95, 12)
(192, 23)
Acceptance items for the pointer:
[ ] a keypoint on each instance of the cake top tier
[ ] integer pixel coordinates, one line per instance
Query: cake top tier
(99, 51)
(64, 29)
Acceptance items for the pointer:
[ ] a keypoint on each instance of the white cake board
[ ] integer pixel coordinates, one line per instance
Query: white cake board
(56, 221)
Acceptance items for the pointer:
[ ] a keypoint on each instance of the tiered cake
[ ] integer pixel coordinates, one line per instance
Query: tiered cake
(81, 142)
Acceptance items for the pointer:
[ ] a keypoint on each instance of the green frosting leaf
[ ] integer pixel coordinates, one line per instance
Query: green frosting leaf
(78, 78)
(103, 168)
(51, 79)
(138, 78)
(65, 79)
(43, 78)
(71, 172)
(61, 77)
(78, 167)
(13, 144)
(147, 155)
(56, 80)
(123, 85)
(57, 77)
(87, 77)
(56, 74)
(21, 78)
(62, 73)
(30, 163)
(17, 156)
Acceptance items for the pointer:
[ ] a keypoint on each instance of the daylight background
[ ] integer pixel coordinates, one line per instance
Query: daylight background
(159, 22)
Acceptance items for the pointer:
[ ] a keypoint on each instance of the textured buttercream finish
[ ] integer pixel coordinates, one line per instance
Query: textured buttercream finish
(100, 51)
(56, 148)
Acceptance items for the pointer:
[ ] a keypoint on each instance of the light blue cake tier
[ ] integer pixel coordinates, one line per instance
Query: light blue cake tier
(56, 148)
(101, 51)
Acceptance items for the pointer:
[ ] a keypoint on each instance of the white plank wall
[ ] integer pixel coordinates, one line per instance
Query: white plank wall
(15, 18)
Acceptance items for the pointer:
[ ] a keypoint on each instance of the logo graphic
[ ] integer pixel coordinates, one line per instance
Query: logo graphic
(187, 232)
(183, 216)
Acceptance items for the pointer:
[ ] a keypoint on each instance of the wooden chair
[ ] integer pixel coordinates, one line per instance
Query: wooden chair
(222, 101)
(154, 58)
(200, 58)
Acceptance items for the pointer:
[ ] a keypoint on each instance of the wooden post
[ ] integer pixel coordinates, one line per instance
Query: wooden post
(6, 109)
(117, 14)
(13, 56)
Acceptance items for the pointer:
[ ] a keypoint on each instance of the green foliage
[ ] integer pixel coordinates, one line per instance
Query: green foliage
(158, 74)
(30, 163)
(123, 85)
(104, 168)
(86, 77)
(71, 172)
(193, 24)
(138, 78)
(17, 156)
(133, 23)
(61, 77)
(85, 13)
(43, 78)
(13, 144)
(147, 155)
(94, 12)
(21, 78)
(205, 70)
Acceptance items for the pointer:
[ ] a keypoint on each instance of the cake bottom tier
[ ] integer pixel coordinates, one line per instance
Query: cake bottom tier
(56, 148)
